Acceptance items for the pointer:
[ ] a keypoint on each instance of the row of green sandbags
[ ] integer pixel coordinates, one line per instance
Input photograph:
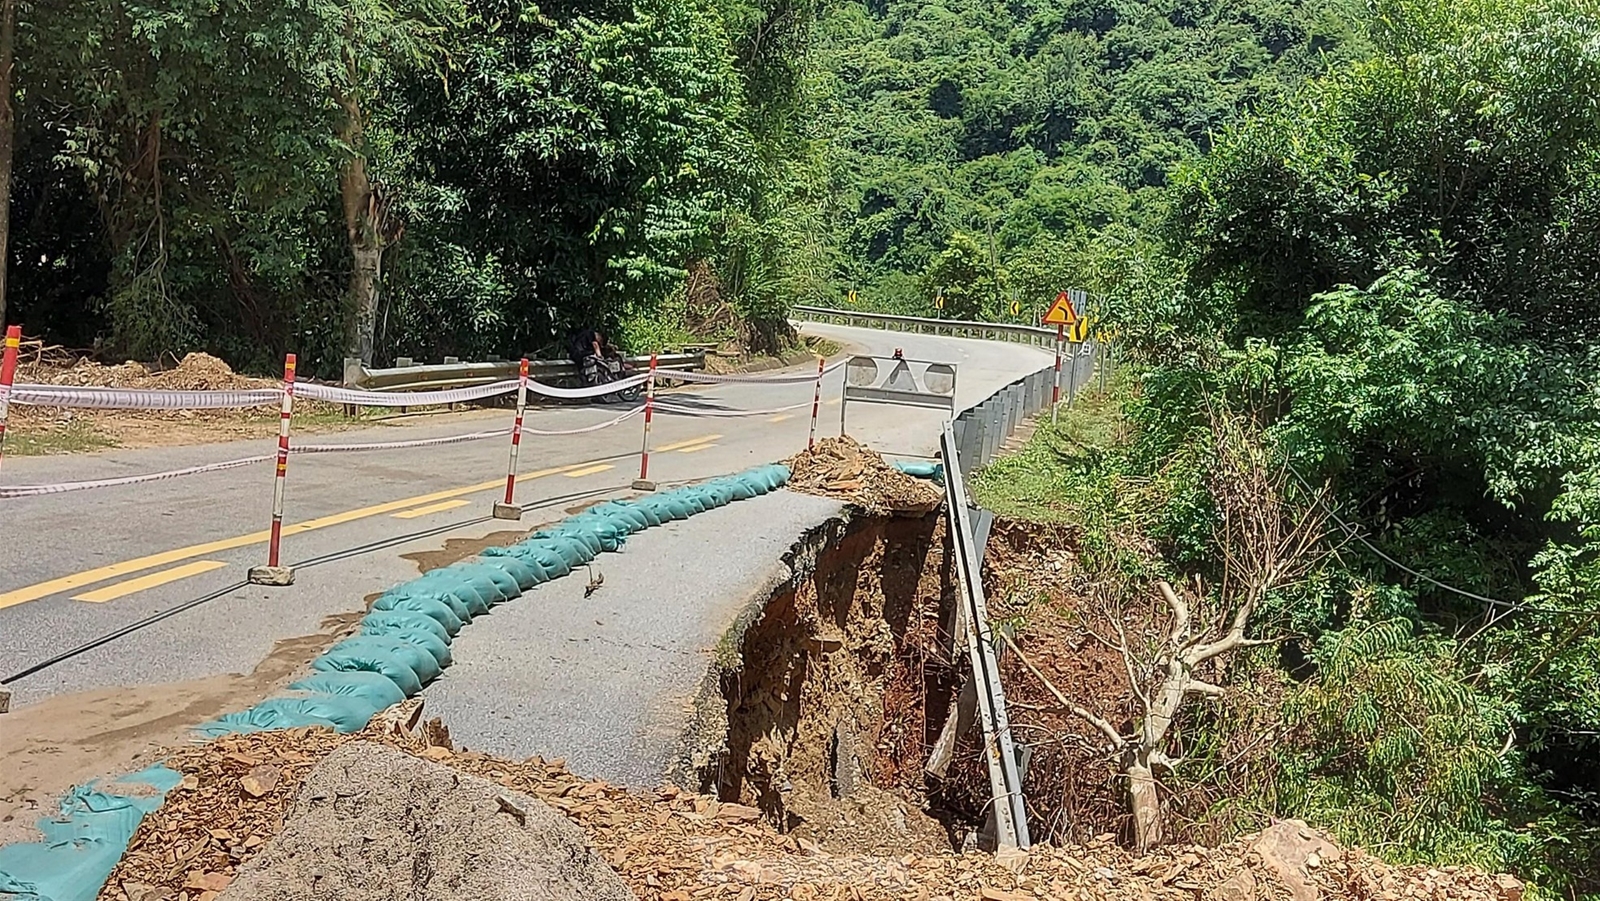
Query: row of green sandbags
(405, 639)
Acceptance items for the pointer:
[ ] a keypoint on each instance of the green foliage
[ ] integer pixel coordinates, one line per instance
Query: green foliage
(1041, 123)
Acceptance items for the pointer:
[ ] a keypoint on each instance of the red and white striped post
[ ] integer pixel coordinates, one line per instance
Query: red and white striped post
(643, 483)
(8, 374)
(509, 509)
(816, 407)
(273, 573)
(1055, 393)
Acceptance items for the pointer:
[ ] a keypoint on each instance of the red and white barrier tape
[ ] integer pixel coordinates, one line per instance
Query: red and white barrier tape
(63, 487)
(590, 428)
(136, 399)
(89, 397)
(11, 491)
(337, 395)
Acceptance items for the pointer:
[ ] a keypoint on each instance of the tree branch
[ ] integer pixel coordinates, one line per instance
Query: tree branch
(1117, 739)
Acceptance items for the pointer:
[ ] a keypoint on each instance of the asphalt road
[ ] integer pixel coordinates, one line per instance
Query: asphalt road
(74, 567)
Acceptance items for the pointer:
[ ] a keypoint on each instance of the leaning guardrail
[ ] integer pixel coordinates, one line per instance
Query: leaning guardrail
(455, 374)
(960, 328)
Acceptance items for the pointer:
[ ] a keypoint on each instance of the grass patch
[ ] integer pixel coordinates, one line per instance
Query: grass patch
(73, 438)
(1058, 476)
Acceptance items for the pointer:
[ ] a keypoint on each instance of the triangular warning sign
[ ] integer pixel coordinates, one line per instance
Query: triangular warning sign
(1061, 312)
(900, 379)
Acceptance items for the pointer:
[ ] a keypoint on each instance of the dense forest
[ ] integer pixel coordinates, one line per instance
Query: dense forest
(1364, 235)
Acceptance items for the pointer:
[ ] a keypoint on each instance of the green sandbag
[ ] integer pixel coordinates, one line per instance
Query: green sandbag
(348, 714)
(422, 638)
(476, 594)
(83, 842)
(621, 513)
(650, 513)
(718, 491)
(609, 531)
(586, 539)
(435, 592)
(493, 583)
(424, 664)
(546, 554)
(696, 501)
(742, 488)
(372, 660)
(469, 597)
(525, 573)
(372, 688)
(921, 469)
(440, 612)
(662, 506)
(407, 619)
(262, 718)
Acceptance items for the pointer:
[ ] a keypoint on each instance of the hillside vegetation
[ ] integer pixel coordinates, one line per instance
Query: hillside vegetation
(1348, 249)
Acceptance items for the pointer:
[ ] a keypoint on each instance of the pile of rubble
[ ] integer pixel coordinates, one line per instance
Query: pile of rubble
(216, 836)
(842, 468)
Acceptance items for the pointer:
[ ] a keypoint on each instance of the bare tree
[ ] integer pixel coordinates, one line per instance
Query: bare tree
(1266, 544)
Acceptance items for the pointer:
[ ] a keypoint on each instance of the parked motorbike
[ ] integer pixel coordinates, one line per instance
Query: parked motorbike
(601, 371)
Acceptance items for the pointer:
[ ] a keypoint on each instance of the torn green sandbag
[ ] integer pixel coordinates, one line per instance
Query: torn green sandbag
(440, 612)
(373, 688)
(407, 619)
(418, 659)
(372, 660)
(82, 845)
(440, 650)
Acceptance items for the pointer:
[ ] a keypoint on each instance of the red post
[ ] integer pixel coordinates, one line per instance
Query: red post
(273, 573)
(643, 483)
(8, 375)
(1055, 393)
(509, 509)
(816, 407)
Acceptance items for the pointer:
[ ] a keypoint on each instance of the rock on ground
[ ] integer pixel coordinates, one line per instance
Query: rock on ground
(372, 823)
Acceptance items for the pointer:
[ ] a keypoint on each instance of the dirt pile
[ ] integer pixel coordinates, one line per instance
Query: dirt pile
(676, 846)
(195, 372)
(431, 831)
(841, 468)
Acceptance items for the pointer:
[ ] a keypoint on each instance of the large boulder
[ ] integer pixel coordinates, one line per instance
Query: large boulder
(372, 823)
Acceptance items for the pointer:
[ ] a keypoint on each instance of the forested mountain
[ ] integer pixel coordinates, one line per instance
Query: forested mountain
(975, 139)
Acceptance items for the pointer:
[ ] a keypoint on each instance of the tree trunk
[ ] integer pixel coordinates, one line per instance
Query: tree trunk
(8, 137)
(366, 239)
(1144, 799)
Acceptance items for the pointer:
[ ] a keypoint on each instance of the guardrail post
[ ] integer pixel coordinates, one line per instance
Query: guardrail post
(8, 375)
(643, 483)
(816, 406)
(273, 573)
(509, 509)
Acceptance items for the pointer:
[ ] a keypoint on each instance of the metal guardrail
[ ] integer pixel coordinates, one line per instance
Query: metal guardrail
(960, 328)
(466, 375)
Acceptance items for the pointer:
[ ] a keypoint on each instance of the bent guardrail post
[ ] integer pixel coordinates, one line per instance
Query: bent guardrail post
(1005, 778)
